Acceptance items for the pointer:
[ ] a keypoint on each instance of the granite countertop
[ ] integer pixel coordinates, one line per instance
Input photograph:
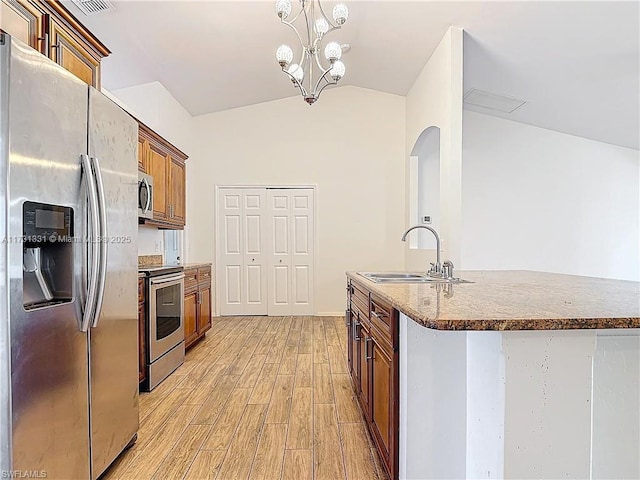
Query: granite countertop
(515, 300)
(187, 266)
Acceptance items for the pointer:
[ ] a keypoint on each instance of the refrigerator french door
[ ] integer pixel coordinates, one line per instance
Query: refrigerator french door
(70, 343)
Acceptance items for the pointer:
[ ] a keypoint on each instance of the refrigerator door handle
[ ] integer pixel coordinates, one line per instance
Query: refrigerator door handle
(103, 240)
(92, 288)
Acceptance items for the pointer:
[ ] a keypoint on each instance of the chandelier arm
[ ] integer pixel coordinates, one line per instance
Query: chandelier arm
(296, 82)
(322, 69)
(329, 21)
(295, 30)
(309, 26)
(317, 94)
(293, 19)
(323, 77)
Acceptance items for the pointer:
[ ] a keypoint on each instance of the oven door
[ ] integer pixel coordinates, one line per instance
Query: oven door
(166, 314)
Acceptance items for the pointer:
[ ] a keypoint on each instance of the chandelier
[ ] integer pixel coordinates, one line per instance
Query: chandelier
(312, 74)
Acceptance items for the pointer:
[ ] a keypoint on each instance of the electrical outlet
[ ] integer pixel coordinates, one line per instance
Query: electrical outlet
(158, 246)
(426, 219)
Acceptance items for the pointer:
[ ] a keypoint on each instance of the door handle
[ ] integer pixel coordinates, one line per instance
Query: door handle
(103, 244)
(367, 357)
(356, 324)
(147, 187)
(92, 203)
(45, 39)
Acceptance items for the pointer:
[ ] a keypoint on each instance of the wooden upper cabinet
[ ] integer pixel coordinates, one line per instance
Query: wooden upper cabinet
(68, 51)
(143, 149)
(48, 27)
(166, 164)
(177, 183)
(24, 21)
(157, 168)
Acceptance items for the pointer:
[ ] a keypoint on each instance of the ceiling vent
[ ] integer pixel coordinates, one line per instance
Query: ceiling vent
(91, 7)
(492, 101)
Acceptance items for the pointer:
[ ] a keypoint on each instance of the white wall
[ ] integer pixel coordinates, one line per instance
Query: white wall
(152, 104)
(435, 99)
(350, 144)
(542, 200)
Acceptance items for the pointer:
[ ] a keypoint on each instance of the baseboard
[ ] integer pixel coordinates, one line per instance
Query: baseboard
(330, 314)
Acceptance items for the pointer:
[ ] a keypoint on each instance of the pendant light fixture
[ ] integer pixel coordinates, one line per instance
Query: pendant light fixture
(319, 64)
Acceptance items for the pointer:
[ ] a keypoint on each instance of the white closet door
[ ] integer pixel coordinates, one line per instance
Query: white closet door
(255, 260)
(290, 260)
(241, 237)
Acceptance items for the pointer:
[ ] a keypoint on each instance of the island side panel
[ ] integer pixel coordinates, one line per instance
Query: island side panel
(548, 384)
(485, 405)
(616, 405)
(433, 397)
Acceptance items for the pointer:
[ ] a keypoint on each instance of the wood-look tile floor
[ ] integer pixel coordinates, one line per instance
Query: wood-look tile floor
(259, 398)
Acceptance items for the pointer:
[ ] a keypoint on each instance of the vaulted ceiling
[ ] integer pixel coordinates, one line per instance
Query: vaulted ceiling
(576, 64)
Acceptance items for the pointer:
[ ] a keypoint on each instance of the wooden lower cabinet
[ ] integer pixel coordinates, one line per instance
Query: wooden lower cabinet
(197, 304)
(381, 393)
(372, 353)
(204, 314)
(190, 316)
(142, 332)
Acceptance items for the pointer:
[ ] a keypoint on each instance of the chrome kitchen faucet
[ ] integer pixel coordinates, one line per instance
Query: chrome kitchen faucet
(436, 269)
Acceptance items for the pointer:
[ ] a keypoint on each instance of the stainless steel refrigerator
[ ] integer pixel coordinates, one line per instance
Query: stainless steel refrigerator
(68, 271)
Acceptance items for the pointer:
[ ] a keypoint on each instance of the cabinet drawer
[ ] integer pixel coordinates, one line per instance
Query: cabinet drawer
(381, 314)
(360, 297)
(190, 279)
(204, 275)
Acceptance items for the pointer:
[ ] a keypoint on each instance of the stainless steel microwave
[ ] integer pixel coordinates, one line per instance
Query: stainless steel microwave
(145, 195)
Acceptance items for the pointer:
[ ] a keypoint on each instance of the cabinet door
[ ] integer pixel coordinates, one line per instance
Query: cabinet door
(365, 372)
(177, 179)
(24, 21)
(143, 151)
(204, 313)
(348, 316)
(381, 398)
(67, 51)
(142, 354)
(355, 351)
(190, 317)
(157, 167)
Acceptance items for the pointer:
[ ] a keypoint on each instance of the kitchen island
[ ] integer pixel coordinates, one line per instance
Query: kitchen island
(517, 375)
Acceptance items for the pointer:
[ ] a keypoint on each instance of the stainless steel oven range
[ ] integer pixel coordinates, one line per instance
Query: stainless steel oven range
(164, 323)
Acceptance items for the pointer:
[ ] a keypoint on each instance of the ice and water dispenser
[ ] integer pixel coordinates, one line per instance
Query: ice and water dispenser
(47, 262)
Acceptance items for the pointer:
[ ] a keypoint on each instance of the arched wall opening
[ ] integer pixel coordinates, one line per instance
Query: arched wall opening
(424, 206)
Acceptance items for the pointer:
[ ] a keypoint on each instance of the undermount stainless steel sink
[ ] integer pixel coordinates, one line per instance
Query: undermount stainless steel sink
(402, 277)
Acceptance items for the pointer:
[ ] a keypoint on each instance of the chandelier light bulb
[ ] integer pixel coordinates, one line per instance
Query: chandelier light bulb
(284, 55)
(340, 13)
(321, 26)
(283, 8)
(332, 51)
(337, 70)
(297, 72)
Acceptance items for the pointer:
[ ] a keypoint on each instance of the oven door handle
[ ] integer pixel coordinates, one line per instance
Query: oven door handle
(172, 278)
